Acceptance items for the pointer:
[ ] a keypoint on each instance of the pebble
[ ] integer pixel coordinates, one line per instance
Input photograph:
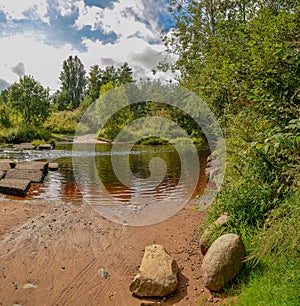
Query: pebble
(29, 286)
(103, 273)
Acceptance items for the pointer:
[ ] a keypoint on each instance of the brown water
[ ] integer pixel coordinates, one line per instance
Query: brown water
(62, 184)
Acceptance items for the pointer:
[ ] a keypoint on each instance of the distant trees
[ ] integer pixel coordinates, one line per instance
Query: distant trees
(73, 81)
(77, 89)
(99, 77)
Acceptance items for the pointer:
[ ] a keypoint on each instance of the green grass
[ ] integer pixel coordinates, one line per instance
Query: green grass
(278, 284)
(271, 274)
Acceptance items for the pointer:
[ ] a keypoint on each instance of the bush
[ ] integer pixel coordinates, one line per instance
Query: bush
(24, 133)
(63, 122)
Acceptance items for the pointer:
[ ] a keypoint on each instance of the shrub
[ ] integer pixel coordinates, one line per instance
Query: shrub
(63, 122)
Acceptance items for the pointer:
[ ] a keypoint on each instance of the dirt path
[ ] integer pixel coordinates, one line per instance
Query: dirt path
(60, 249)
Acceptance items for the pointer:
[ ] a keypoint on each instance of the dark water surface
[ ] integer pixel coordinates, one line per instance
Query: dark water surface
(64, 185)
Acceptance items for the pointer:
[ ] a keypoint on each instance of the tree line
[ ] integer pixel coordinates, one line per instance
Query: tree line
(34, 103)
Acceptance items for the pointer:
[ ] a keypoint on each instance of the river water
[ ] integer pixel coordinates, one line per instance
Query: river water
(81, 170)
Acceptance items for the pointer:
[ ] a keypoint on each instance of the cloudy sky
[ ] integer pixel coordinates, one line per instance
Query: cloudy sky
(36, 36)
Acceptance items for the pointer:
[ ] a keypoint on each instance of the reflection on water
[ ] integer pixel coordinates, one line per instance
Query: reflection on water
(61, 184)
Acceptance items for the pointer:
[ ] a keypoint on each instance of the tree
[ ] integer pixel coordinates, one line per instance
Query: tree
(94, 82)
(222, 46)
(31, 99)
(112, 114)
(124, 74)
(4, 96)
(99, 77)
(73, 81)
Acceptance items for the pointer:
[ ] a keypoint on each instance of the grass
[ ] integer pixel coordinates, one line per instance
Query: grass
(277, 284)
(271, 273)
(262, 197)
(277, 247)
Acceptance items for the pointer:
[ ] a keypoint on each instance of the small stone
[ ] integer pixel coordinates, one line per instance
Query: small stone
(53, 166)
(45, 146)
(29, 286)
(207, 236)
(103, 273)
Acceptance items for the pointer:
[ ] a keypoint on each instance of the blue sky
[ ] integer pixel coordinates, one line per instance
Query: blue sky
(37, 35)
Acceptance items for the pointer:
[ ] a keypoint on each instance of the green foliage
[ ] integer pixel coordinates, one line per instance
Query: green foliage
(112, 98)
(8, 116)
(277, 249)
(243, 58)
(63, 122)
(237, 52)
(152, 141)
(99, 77)
(281, 232)
(73, 82)
(23, 133)
(31, 99)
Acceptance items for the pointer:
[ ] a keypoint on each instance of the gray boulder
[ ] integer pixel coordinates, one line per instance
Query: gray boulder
(208, 235)
(222, 261)
(157, 274)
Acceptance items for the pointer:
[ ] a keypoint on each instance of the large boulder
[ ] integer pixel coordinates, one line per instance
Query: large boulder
(157, 274)
(222, 261)
(209, 234)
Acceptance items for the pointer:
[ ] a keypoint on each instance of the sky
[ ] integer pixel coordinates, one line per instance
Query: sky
(36, 36)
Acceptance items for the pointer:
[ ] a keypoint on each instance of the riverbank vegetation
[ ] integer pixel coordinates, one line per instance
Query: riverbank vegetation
(243, 58)
(30, 113)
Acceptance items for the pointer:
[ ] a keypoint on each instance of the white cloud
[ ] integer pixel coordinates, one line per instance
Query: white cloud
(135, 24)
(127, 19)
(66, 7)
(3, 84)
(140, 55)
(19, 69)
(43, 62)
(89, 16)
(16, 9)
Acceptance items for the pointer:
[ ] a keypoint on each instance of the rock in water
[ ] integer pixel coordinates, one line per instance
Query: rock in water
(222, 261)
(157, 274)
